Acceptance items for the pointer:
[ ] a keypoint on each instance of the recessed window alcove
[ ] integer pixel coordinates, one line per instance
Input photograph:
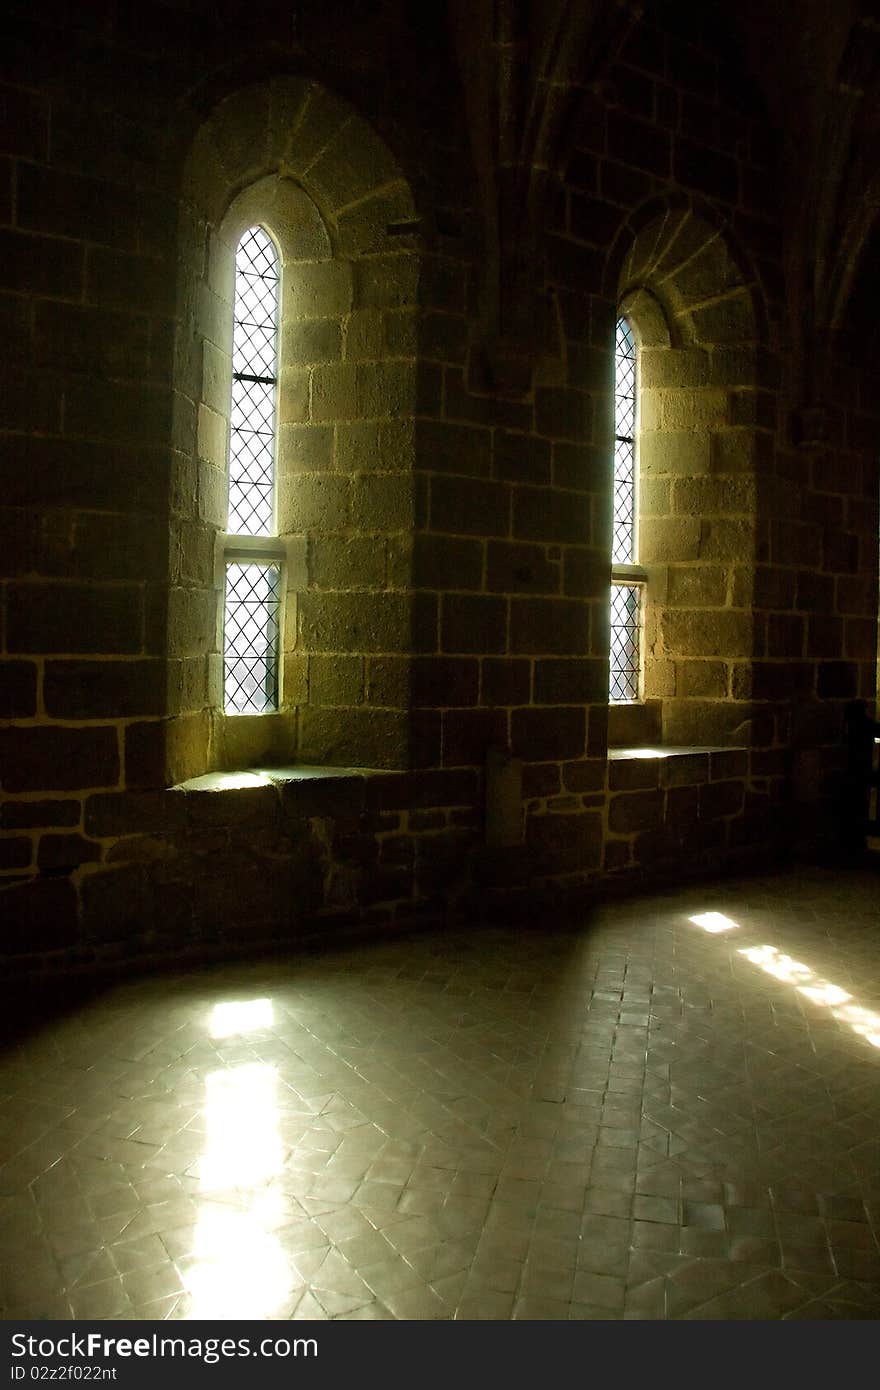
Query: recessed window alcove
(286, 161)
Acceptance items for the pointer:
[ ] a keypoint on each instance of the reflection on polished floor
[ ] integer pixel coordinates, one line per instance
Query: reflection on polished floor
(668, 1108)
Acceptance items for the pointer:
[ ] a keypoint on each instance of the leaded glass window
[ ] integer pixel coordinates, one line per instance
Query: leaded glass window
(626, 597)
(254, 387)
(253, 581)
(251, 625)
(623, 550)
(625, 632)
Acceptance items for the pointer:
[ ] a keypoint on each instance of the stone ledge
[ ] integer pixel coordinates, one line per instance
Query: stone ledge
(249, 778)
(652, 766)
(674, 751)
(258, 793)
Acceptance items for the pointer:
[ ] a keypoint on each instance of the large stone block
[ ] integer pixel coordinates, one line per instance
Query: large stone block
(579, 467)
(688, 770)
(569, 682)
(561, 843)
(18, 690)
(131, 281)
(362, 737)
(633, 774)
(319, 290)
(520, 568)
(728, 320)
(673, 367)
(104, 689)
(69, 204)
(638, 810)
(40, 265)
(121, 411)
(110, 814)
(547, 514)
(449, 448)
(306, 449)
(860, 639)
(162, 752)
(16, 852)
(696, 586)
(557, 733)
(837, 680)
(57, 758)
(505, 681)
(346, 562)
(38, 815)
(470, 506)
(699, 632)
(715, 496)
(586, 572)
(563, 413)
(336, 622)
(383, 501)
(336, 680)
(468, 734)
(546, 626)
(669, 540)
(738, 451)
(708, 679)
(815, 592)
(192, 622)
(320, 503)
(87, 338)
(721, 799)
(824, 635)
(673, 451)
(65, 852)
(30, 399)
(446, 562)
(796, 543)
(39, 915)
(522, 458)
(473, 623)
(441, 681)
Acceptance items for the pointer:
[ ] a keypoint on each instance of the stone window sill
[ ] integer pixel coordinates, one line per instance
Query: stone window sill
(673, 751)
(645, 767)
(274, 776)
(256, 793)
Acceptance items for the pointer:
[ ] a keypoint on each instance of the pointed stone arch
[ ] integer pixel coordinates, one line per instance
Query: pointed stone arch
(706, 440)
(291, 155)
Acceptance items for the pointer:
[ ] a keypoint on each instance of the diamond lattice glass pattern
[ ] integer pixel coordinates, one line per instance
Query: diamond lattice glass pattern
(251, 638)
(625, 621)
(623, 551)
(254, 387)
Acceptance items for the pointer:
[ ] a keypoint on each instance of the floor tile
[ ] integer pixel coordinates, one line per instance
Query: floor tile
(615, 1117)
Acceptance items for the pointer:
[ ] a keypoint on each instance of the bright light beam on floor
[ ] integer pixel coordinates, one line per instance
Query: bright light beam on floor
(244, 1016)
(713, 922)
(862, 1021)
(239, 1269)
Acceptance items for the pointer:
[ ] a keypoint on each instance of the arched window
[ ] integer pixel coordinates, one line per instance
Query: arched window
(628, 580)
(253, 571)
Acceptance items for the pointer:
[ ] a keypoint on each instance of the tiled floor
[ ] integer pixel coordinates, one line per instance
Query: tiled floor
(641, 1115)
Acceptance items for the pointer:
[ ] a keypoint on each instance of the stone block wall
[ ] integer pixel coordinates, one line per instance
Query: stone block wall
(445, 530)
